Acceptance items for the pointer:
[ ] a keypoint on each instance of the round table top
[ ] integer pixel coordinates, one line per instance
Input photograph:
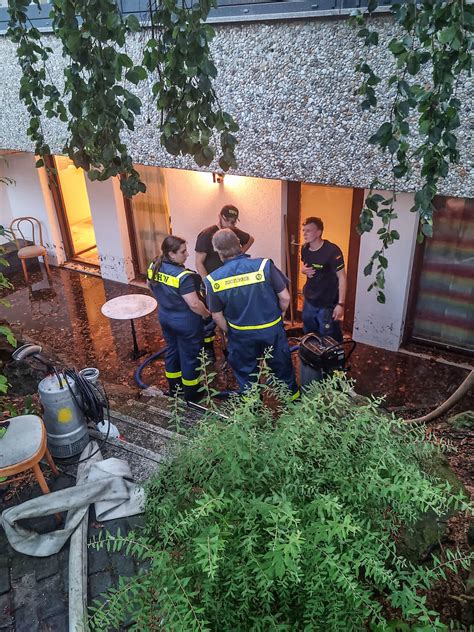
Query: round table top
(129, 306)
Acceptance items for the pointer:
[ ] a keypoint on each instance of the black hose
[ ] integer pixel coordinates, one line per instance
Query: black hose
(91, 400)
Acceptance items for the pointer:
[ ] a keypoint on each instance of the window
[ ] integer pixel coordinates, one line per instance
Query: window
(444, 312)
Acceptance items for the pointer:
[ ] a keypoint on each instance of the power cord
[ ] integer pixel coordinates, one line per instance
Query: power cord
(92, 401)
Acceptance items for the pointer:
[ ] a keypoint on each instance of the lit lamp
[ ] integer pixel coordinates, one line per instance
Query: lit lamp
(218, 177)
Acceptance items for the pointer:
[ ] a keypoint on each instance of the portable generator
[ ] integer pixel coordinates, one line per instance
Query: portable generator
(321, 356)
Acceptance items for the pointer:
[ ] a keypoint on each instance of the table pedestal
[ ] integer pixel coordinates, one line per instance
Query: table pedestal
(136, 353)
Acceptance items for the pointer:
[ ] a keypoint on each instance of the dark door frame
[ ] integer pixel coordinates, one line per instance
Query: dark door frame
(352, 265)
(127, 202)
(55, 188)
(418, 256)
(293, 223)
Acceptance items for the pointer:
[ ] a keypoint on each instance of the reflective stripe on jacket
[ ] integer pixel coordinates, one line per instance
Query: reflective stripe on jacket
(244, 288)
(165, 283)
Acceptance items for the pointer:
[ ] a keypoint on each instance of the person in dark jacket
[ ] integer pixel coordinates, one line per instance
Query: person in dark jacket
(247, 298)
(181, 315)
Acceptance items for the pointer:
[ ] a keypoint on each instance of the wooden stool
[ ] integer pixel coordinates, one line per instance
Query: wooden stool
(22, 448)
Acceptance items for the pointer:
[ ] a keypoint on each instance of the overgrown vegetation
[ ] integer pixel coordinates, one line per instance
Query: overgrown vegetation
(5, 283)
(99, 100)
(432, 52)
(285, 521)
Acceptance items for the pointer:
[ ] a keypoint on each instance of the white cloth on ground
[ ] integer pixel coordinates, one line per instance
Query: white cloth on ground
(108, 486)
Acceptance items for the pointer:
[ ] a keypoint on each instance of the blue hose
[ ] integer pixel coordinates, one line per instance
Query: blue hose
(149, 360)
(155, 356)
(158, 354)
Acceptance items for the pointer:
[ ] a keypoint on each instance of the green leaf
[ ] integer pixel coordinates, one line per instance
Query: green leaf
(427, 230)
(372, 5)
(446, 35)
(413, 64)
(133, 23)
(136, 74)
(396, 47)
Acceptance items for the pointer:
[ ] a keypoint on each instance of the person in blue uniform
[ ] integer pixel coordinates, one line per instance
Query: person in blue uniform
(181, 315)
(247, 298)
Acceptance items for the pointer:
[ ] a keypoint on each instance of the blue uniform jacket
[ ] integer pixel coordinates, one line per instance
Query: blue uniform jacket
(169, 283)
(245, 290)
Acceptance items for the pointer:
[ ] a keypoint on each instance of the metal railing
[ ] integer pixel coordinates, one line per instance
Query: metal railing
(226, 11)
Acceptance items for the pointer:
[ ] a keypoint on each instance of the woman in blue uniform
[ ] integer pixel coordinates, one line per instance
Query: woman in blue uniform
(181, 314)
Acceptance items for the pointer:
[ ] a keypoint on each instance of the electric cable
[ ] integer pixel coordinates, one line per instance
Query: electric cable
(92, 401)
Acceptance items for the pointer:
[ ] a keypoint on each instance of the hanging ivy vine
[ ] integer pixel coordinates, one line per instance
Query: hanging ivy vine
(98, 103)
(432, 52)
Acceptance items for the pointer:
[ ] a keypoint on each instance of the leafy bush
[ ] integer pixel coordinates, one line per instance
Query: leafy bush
(5, 283)
(284, 521)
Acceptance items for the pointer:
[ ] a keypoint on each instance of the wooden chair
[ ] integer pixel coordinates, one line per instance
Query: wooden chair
(22, 447)
(30, 252)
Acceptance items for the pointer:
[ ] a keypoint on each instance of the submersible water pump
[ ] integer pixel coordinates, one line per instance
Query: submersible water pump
(66, 424)
(70, 400)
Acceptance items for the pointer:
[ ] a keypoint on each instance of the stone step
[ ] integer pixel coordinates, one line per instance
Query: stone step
(158, 412)
(143, 445)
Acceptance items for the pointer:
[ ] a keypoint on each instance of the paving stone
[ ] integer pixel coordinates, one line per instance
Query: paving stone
(114, 526)
(98, 584)
(24, 592)
(47, 566)
(26, 619)
(98, 560)
(122, 564)
(4, 574)
(50, 597)
(59, 623)
(21, 565)
(6, 612)
(136, 522)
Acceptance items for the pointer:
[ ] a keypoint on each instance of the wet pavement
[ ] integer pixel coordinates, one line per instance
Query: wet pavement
(66, 318)
(34, 590)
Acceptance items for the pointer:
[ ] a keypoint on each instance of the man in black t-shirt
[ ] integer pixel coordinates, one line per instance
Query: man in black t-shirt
(207, 259)
(325, 288)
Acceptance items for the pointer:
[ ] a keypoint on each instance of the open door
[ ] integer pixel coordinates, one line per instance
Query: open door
(339, 208)
(69, 190)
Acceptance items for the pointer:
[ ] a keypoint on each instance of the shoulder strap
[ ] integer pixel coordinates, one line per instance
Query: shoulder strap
(184, 273)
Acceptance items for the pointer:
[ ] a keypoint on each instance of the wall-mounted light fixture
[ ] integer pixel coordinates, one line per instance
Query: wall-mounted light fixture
(218, 177)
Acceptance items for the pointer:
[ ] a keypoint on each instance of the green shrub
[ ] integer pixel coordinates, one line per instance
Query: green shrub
(284, 521)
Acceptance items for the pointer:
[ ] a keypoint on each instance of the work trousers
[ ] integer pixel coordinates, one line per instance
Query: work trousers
(246, 347)
(184, 336)
(319, 320)
(209, 338)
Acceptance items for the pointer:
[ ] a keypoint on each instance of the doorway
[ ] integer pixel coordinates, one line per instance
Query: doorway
(74, 213)
(339, 208)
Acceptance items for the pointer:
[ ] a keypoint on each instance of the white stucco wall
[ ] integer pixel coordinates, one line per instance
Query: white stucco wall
(195, 201)
(382, 325)
(30, 196)
(110, 227)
